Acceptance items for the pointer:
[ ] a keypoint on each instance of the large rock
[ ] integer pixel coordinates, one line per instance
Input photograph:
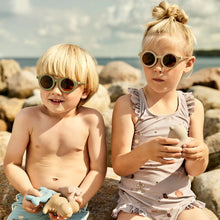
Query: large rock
(4, 139)
(100, 100)
(9, 108)
(7, 69)
(33, 100)
(102, 204)
(206, 187)
(119, 71)
(213, 143)
(118, 89)
(22, 84)
(7, 195)
(107, 115)
(209, 77)
(209, 97)
(212, 122)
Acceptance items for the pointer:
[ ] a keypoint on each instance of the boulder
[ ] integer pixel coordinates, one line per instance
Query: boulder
(100, 100)
(33, 100)
(102, 204)
(206, 187)
(9, 108)
(4, 139)
(3, 125)
(118, 89)
(213, 143)
(119, 71)
(7, 195)
(209, 77)
(209, 97)
(7, 69)
(212, 122)
(107, 115)
(22, 84)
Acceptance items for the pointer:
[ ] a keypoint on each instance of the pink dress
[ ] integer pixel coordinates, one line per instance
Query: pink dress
(157, 191)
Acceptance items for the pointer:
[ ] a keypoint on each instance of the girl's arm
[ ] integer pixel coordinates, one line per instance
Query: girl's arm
(98, 162)
(126, 161)
(196, 152)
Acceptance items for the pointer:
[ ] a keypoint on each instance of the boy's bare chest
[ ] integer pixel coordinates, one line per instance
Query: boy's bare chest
(61, 138)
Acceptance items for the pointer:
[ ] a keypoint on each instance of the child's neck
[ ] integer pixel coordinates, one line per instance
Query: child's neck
(161, 103)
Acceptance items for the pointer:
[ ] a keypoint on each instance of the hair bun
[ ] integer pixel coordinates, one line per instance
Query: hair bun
(165, 10)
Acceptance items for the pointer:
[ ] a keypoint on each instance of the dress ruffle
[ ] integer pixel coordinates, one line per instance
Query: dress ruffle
(190, 101)
(128, 208)
(136, 101)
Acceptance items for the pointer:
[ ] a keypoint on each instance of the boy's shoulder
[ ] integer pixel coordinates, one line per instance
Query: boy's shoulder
(89, 113)
(28, 111)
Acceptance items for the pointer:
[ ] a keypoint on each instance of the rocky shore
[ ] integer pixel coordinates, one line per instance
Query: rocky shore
(19, 89)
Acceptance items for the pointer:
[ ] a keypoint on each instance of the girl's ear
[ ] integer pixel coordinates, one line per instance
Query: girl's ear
(85, 93)
(189, 64)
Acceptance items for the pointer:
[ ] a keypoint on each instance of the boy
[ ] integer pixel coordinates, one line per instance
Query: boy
(64, 141)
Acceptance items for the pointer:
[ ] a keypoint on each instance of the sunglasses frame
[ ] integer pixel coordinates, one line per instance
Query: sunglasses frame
(54, 80)
(178, 59)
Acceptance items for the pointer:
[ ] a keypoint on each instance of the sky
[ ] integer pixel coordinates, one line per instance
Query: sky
(105, 28)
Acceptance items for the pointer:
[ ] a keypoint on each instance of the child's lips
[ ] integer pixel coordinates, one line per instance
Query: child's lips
(56, 100)
(158, 79)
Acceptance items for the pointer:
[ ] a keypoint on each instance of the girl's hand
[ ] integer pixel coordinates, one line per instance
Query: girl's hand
(160, 148)
(27, 205)
(194, 150)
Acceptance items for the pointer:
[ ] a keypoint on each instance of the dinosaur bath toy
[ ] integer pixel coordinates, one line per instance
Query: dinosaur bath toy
(179, 132)
(61, 206)
(46, 194)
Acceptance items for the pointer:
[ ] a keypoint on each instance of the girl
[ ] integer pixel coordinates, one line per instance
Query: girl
(155, 182)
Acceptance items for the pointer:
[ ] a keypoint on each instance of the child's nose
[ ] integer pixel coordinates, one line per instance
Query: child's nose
(158, 66)
(56, 89)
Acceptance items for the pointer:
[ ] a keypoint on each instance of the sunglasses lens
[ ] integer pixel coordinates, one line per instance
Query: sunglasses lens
(46, 82)
(148, 59)
(169, 60)
(67, 85)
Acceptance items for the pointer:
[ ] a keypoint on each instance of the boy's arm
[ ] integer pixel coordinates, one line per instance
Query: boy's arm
(196, 151)
(13, 159)
(97, 156)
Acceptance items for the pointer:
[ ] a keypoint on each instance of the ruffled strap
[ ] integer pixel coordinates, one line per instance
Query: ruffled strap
(136, 100)
(190, 102)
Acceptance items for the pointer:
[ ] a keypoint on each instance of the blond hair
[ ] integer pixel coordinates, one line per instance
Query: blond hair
(68, 60)
(171, 20)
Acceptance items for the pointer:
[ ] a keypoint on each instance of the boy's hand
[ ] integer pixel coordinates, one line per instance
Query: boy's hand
(27, 205)
(72, 193)
(55, 217)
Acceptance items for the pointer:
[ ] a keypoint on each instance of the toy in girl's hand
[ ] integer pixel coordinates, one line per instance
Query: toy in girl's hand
(179, 132)
(46, 194)
(61, 206)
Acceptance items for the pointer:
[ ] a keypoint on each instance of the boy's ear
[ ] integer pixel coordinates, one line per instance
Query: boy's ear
(85, 93)
(189, 64)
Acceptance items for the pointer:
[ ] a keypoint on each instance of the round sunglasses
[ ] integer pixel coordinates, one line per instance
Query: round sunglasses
(168, 60)
(66, 85)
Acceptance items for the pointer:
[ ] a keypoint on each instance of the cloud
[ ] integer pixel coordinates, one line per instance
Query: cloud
(21, 7)
(110, 27)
